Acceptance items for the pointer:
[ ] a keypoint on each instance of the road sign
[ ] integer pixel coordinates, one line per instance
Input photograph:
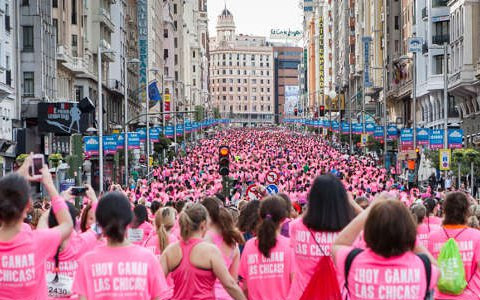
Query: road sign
(364, 139)
(272, 189)
(415, 44)
(254, 192)
(272, 177)
(445, 159)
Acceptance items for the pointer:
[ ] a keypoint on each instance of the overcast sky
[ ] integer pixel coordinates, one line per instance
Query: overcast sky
(257, 17)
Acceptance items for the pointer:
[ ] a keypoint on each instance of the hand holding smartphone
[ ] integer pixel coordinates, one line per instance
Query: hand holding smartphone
(37, 164)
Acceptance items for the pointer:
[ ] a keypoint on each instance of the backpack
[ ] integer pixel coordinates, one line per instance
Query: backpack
(425, 260)
(452, 272)
(323, 284)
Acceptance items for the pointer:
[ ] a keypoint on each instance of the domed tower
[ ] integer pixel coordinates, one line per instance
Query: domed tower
(225, 26)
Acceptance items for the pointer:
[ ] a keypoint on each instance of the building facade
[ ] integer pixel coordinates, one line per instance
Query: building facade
(287, 60)
(8, 108)
(241, 74)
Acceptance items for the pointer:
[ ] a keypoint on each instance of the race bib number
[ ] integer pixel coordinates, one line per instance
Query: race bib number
(60, 288)
(135, 235)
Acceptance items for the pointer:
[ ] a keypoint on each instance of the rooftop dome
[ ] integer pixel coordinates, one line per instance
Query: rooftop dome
(226, 13)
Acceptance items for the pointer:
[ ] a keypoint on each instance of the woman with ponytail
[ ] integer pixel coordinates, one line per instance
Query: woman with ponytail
(23, 252)
(162, 237)
(119, 270)
(223, 233)
(195, 264)
(266, 263)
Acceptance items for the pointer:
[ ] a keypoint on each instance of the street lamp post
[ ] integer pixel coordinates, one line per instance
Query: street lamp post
(414, 92)
(445, 96)
(125, 117)
(100, 115)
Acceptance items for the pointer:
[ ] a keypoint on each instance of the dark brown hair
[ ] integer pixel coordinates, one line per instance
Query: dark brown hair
(456, 209)
(382, 232)
(84, 218)
(272, 213)
(222, 218)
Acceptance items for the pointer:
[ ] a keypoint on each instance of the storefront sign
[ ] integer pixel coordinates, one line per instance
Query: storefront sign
(63, 118)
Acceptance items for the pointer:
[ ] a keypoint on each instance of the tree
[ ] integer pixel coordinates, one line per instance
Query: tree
(199, 113)
(216, 113)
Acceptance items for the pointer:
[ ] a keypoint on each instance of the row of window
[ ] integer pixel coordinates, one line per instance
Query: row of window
(253, 64)
(245, 108)
(239, 81)
(240, 98)
(231, 56)
(239, 89)
(241, 72)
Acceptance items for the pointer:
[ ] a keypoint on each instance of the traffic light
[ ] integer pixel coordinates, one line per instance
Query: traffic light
(224, 160)
(322, 110)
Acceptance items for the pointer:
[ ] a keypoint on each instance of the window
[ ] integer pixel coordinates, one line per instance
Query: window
(176, 59)
(25, 3)
(165, 53)
(28, 84)
(397, 22)
(165, 33)
(55, 3)
(74, 12)
(194, 69)
(28, 38)
(175, 9)
(437, 65)
(175, 42)
(7, 17)
(55, 28)
(193, 54)
(74, 45)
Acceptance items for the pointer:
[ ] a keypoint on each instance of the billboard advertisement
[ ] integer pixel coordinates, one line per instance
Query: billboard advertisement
(292, 97)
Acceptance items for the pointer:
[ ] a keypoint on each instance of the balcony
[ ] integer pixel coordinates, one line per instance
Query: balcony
(63, 54)
(441, 39)
(105, 18)
(80, 66)
(109, 56)
(115, 86)
(424, 13)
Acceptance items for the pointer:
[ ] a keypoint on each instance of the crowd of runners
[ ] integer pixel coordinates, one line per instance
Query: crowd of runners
(340, 226)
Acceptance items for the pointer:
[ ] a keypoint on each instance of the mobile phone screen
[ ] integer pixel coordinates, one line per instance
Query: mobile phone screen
(37, 165)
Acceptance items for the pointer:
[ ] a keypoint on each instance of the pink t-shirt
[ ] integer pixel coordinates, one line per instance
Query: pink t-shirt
(267, 278)
(138, 235)
(151, 243)
(423, 231)
(433, 220)
(306, 254)
(22, 263)
(120, 273)
(372, 276)
(469, 245)
(68, 258)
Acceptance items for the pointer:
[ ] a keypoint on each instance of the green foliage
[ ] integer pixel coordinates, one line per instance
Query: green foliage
(199, 113)
(20, 159)
(216, 113)
(55, 159)
(460, 158)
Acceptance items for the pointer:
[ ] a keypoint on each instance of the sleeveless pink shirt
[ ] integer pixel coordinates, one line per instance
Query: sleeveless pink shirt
(191, 282)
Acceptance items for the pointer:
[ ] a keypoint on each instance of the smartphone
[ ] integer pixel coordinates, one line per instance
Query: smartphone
(37, 165)
(79, 190)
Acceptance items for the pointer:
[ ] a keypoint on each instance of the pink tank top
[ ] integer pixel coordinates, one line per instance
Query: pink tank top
(191, 282)
(220, 292)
